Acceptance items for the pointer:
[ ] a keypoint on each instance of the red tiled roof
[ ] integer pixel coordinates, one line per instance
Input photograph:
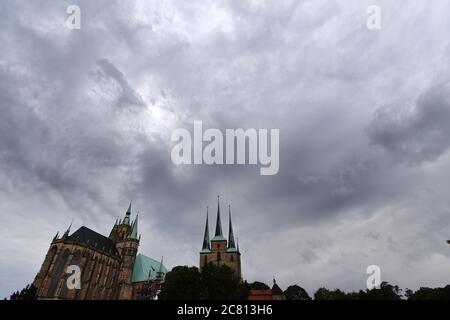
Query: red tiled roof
(260, 295)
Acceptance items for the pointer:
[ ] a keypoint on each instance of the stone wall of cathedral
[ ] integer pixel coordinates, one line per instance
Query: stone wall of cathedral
(99, 272)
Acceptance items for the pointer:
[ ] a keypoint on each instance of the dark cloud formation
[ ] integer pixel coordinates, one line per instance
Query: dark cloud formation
(87, 115)
(421, 134)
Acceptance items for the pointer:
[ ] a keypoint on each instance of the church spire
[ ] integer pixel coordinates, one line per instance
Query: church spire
(206, 244)
(68, 229)
(218, 232)
(231, 244)
(134, 226)
(126, 220)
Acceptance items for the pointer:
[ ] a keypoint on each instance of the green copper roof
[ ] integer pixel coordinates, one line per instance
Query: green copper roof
(133, 233)
(146, 268)
(218, 238)
(205, 251)
(232, 250)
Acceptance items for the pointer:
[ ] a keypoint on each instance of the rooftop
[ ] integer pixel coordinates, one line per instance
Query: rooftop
(146, 268)
(87, 236)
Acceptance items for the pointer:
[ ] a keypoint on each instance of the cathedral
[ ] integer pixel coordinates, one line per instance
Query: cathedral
(111, 267)
(218, 250)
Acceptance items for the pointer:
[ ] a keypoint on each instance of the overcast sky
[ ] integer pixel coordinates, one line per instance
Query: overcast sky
(86, 118)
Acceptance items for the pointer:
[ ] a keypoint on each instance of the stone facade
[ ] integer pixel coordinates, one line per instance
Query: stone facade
(219, 251)
(106, 265)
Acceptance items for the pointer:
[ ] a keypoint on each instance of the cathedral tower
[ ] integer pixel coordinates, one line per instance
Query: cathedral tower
(219, 251)
(124, 234)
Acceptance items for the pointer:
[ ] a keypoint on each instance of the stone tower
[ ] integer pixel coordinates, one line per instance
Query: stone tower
(219, 251)
(124, 234)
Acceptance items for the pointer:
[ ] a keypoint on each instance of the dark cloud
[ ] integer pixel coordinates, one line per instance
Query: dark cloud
(113, 80)
(417, 135)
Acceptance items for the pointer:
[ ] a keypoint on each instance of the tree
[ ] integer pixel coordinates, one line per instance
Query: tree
(259, 286)
(386, 292)
(429, 294)
(296, 292)
(181, 283)
(221, 283)
(27, 293)
(213, 283)
(336, 294)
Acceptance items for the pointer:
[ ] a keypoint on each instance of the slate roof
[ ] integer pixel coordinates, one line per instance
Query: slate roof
(276, 290)
(87, 236)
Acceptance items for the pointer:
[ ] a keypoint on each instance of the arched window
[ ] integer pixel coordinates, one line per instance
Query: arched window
(89, 268)
(51, 255)
(58, 273)
(111, 274)
(218, 257)
(76, 260)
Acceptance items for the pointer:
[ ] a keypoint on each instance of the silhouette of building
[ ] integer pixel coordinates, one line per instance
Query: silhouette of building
(219, 251)
(110, 266)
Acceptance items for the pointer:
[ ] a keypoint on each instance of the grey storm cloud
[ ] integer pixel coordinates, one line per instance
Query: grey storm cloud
(86, 118)
(419, 135)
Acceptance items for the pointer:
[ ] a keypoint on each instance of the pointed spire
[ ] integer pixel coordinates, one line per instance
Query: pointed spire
(160, 274)
(126, 220)
(161, 265)
(231, 244)
(218, 223)
(237, 243)
(206, 245)
(68, 229)
(134, 226)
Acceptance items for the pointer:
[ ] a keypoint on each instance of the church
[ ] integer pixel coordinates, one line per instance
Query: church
(111, 267)
(218, 250)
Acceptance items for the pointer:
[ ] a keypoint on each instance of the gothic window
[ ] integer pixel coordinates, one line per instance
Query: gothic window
(88, 269)
(100, 269)
(76, 259)
(218, 257)
(48, 261)
(58, 273)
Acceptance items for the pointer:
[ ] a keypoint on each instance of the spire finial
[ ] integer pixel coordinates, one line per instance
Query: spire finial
(70, 226)
(66, 234)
